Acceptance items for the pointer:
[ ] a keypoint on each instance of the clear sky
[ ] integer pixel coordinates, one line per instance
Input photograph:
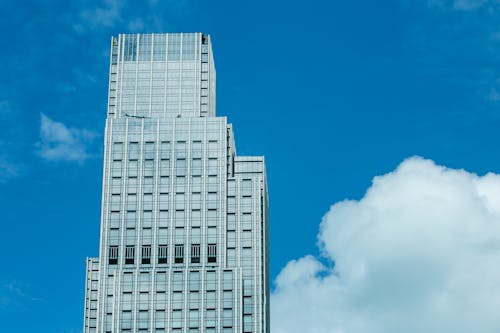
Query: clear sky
(333, 93)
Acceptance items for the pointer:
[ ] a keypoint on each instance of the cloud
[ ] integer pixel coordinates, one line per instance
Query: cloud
(461, 5)
(4, 302)
(15, 293)
(494, 95)
(134, 17)
(468, 4)
(8, 169)
(418, 253)
(107, 14)
(136, 25)
(5, 107)
(61, 143)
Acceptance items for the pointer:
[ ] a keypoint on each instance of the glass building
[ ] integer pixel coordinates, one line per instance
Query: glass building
(184, 220)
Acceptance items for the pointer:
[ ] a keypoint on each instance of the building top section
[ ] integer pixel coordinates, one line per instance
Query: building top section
(161, 75)
(161, 47)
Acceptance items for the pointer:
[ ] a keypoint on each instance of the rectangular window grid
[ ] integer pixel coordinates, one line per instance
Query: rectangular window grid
(113, 255)
(129, 254)
(179, 254)
(162, 254)
(146, 254)
(195, 253)
(212, 253)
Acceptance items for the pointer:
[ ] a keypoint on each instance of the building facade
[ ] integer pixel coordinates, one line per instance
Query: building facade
(184, 220)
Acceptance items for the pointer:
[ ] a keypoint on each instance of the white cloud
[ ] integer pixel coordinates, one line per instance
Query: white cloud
(108, 14)
(461, 5)
(8, 169)
(468, 4)
(4, 106)
(494, 95)
(15, 293)
(136, 25)
(418, 253)
(61, 143)
(105, 13)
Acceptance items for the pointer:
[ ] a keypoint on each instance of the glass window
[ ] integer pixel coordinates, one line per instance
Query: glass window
(179, 253)
(212, 253)
(228, 280)
(162, 254)
(194, 280)
(113, 255)
(178, 281)
(228, 299)
(195, 253)
(159, 47)
(133, 151)
(180, 167)
(212, 166)
(146, 254)
(145, 47)
(210, 282)
(117, 151)
(129, 254)
(130, 48)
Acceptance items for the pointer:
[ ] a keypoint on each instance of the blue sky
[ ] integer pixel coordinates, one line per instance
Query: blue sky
(333, 93)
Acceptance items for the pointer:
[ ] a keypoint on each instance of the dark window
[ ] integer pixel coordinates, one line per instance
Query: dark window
(195, 253)
(162, 254)
(179, 254)
(146, 254)
(129, 254)
(212, 253)
(113, 255)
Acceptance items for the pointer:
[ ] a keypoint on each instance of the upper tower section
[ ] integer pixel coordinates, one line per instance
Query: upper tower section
(161, 75)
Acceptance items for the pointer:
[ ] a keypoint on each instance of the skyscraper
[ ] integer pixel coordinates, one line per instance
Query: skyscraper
(184, 220)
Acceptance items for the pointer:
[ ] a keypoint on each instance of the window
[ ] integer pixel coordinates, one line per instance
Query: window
(133, 150)
(212, 148)
(178, 287)
(210, 285)
(181, 167)
(211, 217)
(228, 280)
(195, 253)
(196, 149)
(180, 218)
(176, 320)
(116, 169)
(115, 202)
(165, 150)
(149, 150)
(162, 254)
(246, 187)
(246, 221)
(179, 253)
(132, 185)
(212, 253)
(212, 166)
(146, 254)
(129, 254)
(196, 167)
(212, 200)
(147, 185)
(194, 281)
(148, 168)
(147, 200)
(113, 255)
(194, 318)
